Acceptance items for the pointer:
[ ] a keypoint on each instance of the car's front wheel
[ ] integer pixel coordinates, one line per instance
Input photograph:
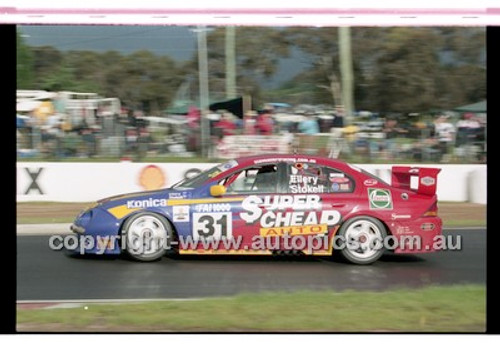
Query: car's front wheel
(362, 239)
(146, 236)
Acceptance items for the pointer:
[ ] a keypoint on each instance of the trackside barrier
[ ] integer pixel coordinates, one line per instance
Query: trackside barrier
(87, 182)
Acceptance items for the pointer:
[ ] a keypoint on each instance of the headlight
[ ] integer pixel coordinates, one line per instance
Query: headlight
(84, 218)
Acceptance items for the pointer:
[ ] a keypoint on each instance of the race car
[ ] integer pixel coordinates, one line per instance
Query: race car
(271, 204)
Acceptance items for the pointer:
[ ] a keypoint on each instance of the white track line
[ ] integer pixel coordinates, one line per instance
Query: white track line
(104, 301)
(43, 229)
(463, 228)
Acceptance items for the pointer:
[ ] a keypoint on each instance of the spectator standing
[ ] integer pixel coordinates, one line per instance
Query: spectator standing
(338, 121)
(392, 131)
(264, 124)
(131, 137)
(444, 132)
(309, 125)
(143, 139)
(467, 129)
(226, 124)
(249, 121)
(193, 117)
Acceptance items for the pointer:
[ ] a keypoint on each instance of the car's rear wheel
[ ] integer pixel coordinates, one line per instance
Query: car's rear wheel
(147, 236)
(362, 240)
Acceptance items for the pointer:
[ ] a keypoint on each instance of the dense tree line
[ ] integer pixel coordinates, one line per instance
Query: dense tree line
(398, 69)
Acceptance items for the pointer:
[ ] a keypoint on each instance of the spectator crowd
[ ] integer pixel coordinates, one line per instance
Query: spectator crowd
(444, 137)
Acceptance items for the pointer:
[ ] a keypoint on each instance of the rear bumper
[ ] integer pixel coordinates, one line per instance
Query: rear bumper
(419, 236)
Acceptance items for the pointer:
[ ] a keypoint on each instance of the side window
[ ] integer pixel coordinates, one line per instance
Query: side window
(310, 178)
(339, 182)
(259, 179)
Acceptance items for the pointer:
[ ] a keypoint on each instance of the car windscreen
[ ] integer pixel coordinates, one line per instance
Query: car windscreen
(204, 176)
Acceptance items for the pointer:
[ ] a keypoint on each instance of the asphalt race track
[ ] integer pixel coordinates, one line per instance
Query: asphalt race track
(44, 274)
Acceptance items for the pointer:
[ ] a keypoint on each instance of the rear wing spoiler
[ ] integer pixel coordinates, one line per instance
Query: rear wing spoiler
(426, 179)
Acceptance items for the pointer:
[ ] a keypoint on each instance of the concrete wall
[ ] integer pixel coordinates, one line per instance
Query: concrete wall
(87, 182)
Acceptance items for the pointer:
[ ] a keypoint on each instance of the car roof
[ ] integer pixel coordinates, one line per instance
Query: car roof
(247, 160)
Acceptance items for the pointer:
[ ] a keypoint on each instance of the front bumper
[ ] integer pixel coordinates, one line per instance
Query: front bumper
(77, 229)
(97, 233)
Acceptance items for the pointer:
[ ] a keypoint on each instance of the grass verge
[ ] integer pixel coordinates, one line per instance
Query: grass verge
(460, 308)
(461, 214)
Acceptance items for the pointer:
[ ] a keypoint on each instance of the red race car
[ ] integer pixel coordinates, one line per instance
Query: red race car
(273, 204)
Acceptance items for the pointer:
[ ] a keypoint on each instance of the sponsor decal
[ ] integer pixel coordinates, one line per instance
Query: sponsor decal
(212, 225)
(176, 196)
(404, 230)
(192, 172)
(344, 187)
(301, 179)
(427, 181)
(339, 180)
(228, 165)
(370, 182)
(177, 202)
(306, 189)
(275, 211)
(332, 176)
(380, 199)
(400, 216)
(212, 207)
(152, 177)
(285, 159)
(295, 230)
(215, 173)
(34, 186)
(301, 184)
(147, 203)
(427, 226)
(336, 186)
(180, 213)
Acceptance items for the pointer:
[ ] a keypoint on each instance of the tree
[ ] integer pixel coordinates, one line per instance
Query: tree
(87, 69)
(321, 48)
(396, 69)
(146, 82)
(46, 61)
(258, 51)
(407, 71)
(24, 69)
(141, 80)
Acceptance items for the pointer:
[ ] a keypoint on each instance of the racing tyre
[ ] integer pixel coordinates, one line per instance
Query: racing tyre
(147, 236)
(362, 240)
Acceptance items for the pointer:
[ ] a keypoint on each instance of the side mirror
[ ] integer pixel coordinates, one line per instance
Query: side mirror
(217, 190)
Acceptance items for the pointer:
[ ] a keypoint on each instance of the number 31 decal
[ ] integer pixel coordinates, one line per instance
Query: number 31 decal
(212, 225)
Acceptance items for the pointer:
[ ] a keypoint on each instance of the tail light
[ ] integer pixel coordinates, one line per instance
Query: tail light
(432, 211)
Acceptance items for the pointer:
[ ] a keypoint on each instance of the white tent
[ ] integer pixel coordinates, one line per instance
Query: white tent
(27, 105)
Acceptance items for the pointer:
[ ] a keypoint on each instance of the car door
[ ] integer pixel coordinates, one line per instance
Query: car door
(330, 189)
(234, 218)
